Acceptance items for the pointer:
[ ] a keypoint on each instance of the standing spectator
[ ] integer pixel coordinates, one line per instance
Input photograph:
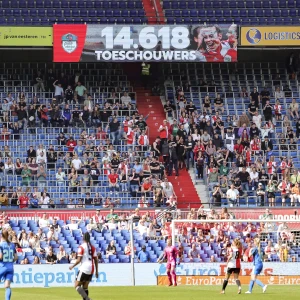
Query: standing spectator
(245, 178)
(163, 131)
(293, 109)
(41, 177)
(80, 92)
(173, 163)
(23, 201)
(26, 176)
(265, 96)
(86, 182)
(113, 181)
(69, 94)
(267, 111)
(260, 193)
(255, 96)
(59, 92)
(22, 117)
(39, 82)
(114, 129)
(126, 99)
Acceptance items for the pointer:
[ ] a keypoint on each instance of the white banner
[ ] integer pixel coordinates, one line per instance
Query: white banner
(120, 274)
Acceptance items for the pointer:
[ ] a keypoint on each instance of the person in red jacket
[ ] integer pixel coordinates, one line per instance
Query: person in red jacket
(163, 131)
(71, 144)
(23, 201)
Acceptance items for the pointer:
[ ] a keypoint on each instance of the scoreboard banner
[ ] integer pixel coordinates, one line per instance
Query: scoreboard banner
(130, 43)
(270, 36)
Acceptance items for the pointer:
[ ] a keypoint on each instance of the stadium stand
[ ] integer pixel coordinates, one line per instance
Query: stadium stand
(270, 145)
(53, 240)
(240, 12)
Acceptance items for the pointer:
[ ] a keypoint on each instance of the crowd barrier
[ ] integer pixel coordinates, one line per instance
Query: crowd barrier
(150, 274)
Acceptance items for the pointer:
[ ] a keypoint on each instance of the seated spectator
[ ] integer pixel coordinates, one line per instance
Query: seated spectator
(151, 232)
(112, 220)
(142, 226)
(62, 256)
(111, 249)
(36, 261)
(51, 258)
(74, 225)
(294, 109)
(193, 253)
(52, 235)
(128, 249)
(24, 243)
(143, 256)
(73, 257)
(269, 250)
(34, 202)
(146, 187)
(123, 223)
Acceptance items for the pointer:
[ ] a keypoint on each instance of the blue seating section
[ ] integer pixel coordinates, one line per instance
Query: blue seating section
(71, 240)
(240, 12)
(48, 12)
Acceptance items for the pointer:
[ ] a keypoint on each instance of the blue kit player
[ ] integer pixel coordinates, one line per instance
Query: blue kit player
(255, 252)
(8, 256)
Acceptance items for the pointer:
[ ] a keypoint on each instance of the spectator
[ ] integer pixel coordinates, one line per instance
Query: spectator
(128, 249)
(111, 249)
(44, 201)
(52, 235)
(293, 109)
(112, 220)
(23, 201)
(26, 176)
(51, 258)
(36, 261)
(143, 255)
(34, 203)
(80, 92)
(91, 225)
(60, 177)
(245, 179)
(260, 193)
(193, 253)
(41, 177)
(113, 181)
(126, 99)
(255, 96)
(232, 195)
(86, 182)
(114, 129)
(62, 256)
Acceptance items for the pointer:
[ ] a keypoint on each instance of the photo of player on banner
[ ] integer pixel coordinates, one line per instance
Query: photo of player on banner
(215, 43)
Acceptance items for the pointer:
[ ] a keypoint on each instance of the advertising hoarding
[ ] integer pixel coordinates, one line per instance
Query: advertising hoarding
(26, 36)
(270, 36)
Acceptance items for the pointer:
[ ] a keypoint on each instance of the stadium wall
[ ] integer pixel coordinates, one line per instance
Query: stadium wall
(148, 274)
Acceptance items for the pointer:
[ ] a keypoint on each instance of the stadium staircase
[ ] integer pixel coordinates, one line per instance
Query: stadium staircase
(154, 13)
(183, 185)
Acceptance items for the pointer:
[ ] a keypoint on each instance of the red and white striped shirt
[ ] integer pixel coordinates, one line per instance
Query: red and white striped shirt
(87, 252)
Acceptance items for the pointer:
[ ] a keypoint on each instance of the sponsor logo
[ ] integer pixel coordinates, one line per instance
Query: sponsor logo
(218, 280)
(253, 36)
(69, 42)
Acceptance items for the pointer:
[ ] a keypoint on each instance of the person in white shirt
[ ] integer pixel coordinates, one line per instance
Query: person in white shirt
(126, 99)
(269, 250)
(91, 225)
(59, 91)
(229, 139)
(232, 195)
(257, 119)
(41, 158)
(44, 201)
(60, 177)
(74, 225)
(44, 221)
(76, 163)
(142, 227)
(168, 189)
(52, 235)
(40, 149)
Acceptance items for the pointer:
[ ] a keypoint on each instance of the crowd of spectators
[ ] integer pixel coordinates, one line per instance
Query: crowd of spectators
(47, 242)
(112, 150)
(248, 156)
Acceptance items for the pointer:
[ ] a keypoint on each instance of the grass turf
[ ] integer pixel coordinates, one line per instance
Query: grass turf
(156, 293)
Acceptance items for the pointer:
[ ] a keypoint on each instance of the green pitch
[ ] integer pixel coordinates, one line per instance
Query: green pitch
(156, 293)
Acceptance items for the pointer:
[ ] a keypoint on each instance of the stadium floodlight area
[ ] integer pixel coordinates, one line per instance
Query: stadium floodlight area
(280, 240)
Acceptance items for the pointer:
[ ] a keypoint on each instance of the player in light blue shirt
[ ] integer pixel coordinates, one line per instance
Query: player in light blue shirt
(256, 253)
(8, 256)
